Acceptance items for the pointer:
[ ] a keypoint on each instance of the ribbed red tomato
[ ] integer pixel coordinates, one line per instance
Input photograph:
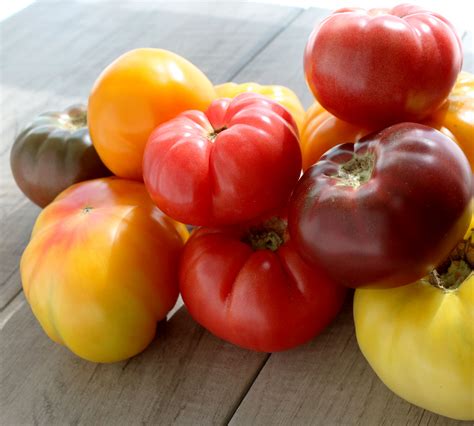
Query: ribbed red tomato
(233, 163)
(248, 285)
(382, 66)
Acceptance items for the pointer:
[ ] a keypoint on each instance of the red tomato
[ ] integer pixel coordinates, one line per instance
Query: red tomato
(249, 286)
(386, 210)
(233, 163)
(382, 66)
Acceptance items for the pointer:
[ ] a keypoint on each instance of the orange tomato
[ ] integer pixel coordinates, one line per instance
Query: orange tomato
(280, 94)
(321, 130)
(101, 268)
(455, 118)
(133, 95)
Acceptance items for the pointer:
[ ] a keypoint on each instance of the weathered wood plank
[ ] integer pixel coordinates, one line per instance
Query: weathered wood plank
(13, 306)
(326, 381)
(186, 376)
(52, 53)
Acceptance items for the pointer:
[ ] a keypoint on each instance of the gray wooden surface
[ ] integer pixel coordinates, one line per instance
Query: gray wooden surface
(50, 55)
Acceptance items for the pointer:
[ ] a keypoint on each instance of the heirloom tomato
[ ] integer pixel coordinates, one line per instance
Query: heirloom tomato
(322, 130)
(382, 66)
(386, 210)
(455, 118)
(53, 152)
(248, 285)
(233, 163)
(280, 94)
(135, 93)
(101, 268)
(419, 338)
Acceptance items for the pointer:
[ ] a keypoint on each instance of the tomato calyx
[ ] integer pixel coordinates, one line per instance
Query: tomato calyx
(457, 268)
(73, 118)
(213, 135)
(357, 171)
(269, 235)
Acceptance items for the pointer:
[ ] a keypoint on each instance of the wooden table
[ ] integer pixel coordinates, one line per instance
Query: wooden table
(51, 54)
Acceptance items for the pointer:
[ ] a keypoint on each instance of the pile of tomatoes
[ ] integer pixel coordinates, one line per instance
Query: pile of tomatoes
(384, 204)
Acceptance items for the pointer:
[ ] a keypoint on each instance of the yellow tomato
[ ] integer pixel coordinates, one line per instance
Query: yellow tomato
(133, 95)
(321, 130)
(101, 268)
(280, 94)
(419, 339)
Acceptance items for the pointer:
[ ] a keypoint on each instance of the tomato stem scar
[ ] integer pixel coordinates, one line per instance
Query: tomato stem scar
(457, 268)
(213, 135)
(357, 171)
(268, 236)
(73, 119)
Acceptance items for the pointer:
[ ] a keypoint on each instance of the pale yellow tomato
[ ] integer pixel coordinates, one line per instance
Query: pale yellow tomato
(419, 338)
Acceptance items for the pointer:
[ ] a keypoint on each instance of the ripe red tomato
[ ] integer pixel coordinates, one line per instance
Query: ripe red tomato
(382, 66)
(249, 286)
(233, 163)
(386, 210)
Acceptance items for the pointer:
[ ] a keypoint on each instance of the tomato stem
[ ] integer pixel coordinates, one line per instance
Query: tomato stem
(74, 120)
(268, 236)
(357, 171)
(457, 268)
(213, 135)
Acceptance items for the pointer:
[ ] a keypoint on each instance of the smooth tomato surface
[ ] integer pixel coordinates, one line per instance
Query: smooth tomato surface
(322, 130)
(233, 163)
(249, 286)
(385, 210)
(382, 66)
(101, 268)
(419, 338)
(135, 93)
(281, 94)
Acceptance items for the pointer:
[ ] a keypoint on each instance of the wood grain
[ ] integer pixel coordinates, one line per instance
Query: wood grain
(52, 53)
(186, 376)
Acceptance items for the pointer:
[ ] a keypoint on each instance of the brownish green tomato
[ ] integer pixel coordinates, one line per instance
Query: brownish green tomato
(53, 152)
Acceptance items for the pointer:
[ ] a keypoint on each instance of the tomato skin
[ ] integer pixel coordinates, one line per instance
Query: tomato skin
(233, 163)
(398, 225)
(261, 300)
(281, 94)
(322, 130)
(381, 66)
(133, 95)
(419, 340)
(52, 153)
(455, 118)
(101, 268)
